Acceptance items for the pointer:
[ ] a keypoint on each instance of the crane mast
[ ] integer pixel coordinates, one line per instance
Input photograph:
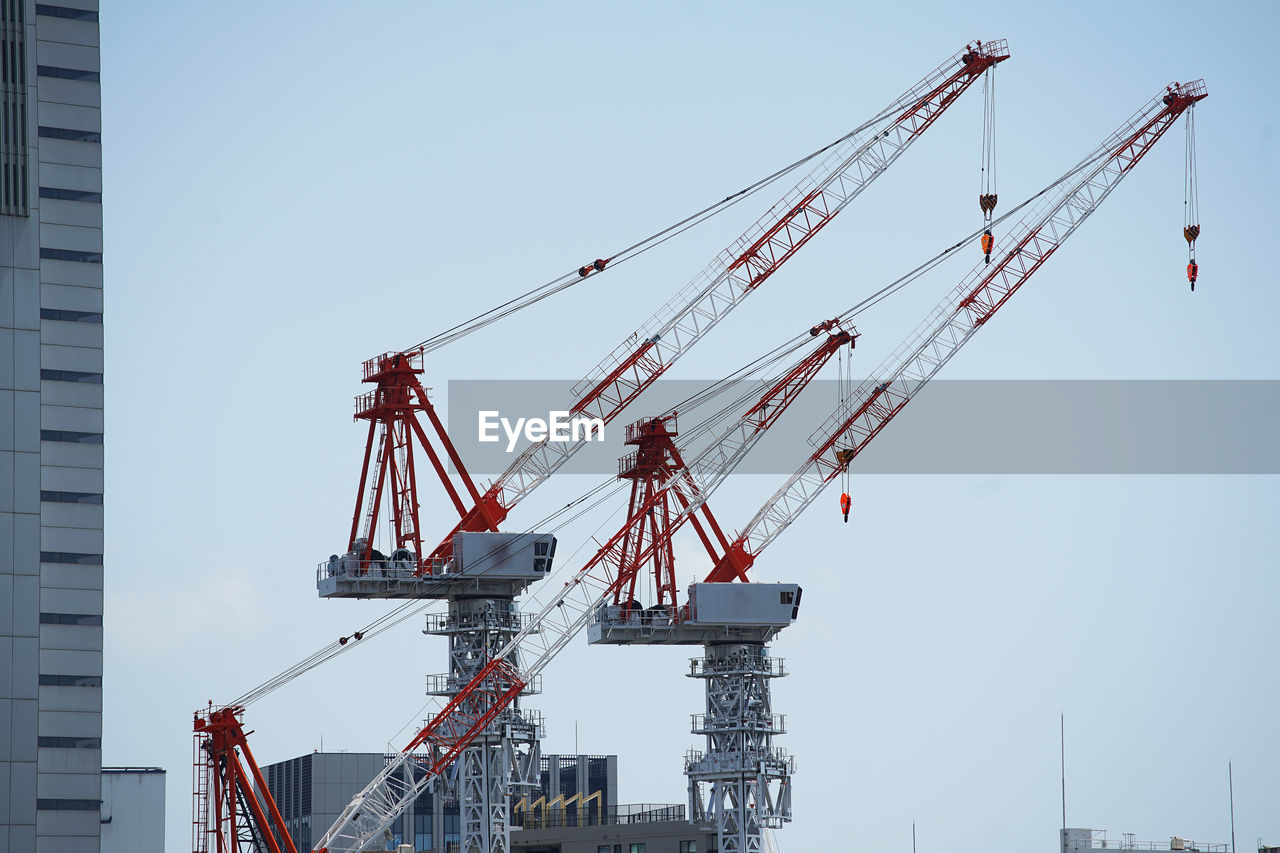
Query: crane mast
(848, 430)
(842, 173)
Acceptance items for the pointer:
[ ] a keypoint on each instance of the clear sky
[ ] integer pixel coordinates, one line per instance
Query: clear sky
(291, 188)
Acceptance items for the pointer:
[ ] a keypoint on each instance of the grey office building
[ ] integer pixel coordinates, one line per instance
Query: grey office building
(51, 444)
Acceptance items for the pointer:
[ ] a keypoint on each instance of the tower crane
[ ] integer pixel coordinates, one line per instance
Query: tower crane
(438, 745)
(401, 418)
(227, 811)
(741, 783)
(837, 442)
(392, 409)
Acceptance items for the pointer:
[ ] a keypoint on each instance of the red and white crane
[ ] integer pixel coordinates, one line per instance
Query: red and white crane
(398, 406)
(837, 442)
(393, 409)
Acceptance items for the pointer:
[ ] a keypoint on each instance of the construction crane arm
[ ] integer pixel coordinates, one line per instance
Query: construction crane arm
(485, 698)
(951, 325)
(840, 176)
(849, 429)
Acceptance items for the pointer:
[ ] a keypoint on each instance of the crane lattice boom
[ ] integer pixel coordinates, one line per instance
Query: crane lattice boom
(840, 176)
(958, 317)
(955, 321)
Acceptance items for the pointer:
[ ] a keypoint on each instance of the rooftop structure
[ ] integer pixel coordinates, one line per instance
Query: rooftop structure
(1086, 840)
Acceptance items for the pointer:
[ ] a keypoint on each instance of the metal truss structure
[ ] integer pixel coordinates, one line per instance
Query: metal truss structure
(228, 816)
(503, 756)
(741, 784)
(1023, 250)
(843, 170)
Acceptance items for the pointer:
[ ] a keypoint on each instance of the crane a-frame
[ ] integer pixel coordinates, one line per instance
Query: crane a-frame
(978, 297)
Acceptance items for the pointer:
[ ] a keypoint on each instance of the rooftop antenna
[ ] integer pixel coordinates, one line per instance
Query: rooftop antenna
(913, 837)
(1231, 797)
(1062, 734)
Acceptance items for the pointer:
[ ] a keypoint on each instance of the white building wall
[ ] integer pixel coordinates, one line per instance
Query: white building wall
(133, 810)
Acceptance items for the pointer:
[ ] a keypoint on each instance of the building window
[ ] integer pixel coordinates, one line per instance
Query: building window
(68, 316)
(688, 847)
(71, 497)
(421, 830)
(70, 742)
(70, 619)
(13, 109)
(71, 557)
(71, 376)
(71, 436)
(637, 847)
(64, 12)
(602, 848)
(71, 255)
(70, 195)
(70, 680)
(67, 73)
(68, 805)
(70, 135)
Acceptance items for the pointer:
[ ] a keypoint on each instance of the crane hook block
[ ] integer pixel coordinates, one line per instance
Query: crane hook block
(987, 201)
(987, 243)
(1193, 270)
(845, 504)
(1191, 232)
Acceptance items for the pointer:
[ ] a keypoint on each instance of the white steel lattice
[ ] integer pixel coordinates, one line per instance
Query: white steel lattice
(958, 317)
(741, 784)
(841, 174)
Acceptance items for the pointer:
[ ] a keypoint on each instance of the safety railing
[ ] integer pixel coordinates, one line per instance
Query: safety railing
(444, 684)
(449, 623)
(704, 724)
(659, 615)
(699, 761)
(590, 814)
(769, 667)
(353, 567)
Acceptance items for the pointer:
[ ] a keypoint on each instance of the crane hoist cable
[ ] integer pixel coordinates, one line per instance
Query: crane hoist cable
(987, 173)
(1191, 200)
(842, 403)
(576, 276)
(794, 344)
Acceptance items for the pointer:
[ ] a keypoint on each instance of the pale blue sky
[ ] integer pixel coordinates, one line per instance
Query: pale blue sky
(291, 188)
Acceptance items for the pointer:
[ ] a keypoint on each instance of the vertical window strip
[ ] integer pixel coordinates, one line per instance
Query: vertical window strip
(13, 110)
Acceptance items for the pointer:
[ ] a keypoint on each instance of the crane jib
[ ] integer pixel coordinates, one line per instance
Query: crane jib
(923, 354)
(648, 370)
(838, 179)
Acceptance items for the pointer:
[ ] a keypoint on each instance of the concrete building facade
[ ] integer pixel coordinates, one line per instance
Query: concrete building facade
(133, 810)
(312, 790)
(51, 427)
